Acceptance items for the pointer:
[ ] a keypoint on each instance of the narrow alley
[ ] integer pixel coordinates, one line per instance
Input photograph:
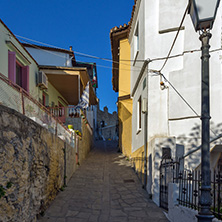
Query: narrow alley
(104, 188)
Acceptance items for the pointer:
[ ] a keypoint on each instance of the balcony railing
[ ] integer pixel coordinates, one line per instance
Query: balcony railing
(64, 112)
(15, 97)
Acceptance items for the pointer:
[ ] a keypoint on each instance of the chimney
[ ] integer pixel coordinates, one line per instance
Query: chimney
(70, 48)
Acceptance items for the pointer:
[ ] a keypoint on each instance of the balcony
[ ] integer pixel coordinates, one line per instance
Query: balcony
(62, 113)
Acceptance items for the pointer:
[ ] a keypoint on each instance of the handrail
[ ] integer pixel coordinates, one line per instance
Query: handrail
(24, 92)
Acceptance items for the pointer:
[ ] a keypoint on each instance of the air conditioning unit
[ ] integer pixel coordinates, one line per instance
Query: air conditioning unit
(42, 80)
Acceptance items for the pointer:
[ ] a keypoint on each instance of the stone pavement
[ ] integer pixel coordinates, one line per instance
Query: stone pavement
(104, 188)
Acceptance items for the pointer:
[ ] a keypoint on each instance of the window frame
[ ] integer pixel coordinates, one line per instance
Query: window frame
(13, 63)
(18, 76)
(136, 41)
(139, 114)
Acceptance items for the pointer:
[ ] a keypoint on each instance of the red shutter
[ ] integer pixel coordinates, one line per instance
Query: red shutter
(12, 66)
(25, 78)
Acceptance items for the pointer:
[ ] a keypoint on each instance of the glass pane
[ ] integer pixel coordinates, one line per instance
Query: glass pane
(206, 8)
(18, 75)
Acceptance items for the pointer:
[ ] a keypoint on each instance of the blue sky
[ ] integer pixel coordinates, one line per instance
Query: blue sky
(83, 24)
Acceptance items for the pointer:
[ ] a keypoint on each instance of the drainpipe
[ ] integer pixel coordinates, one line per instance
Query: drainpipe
(145, 111)
(146, 126)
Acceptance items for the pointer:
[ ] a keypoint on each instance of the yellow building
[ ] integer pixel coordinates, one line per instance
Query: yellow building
(121, 83)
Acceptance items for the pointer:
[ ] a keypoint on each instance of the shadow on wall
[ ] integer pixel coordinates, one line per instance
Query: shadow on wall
(193, 140)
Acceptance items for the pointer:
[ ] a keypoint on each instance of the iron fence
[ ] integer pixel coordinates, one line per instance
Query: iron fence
(189, 191)
(168, 174)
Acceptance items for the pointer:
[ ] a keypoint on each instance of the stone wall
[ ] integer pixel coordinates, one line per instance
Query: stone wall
(110, 121)
(85, 144)
(32, 166)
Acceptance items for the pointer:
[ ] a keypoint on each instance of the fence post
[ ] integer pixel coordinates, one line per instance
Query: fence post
(22, 97)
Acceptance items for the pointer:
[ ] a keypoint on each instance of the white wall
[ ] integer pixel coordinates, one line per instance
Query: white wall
(49, 58)
(177, 212)
(168, 115)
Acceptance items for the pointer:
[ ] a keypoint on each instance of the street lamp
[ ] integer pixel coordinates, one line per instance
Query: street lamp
(203, 13)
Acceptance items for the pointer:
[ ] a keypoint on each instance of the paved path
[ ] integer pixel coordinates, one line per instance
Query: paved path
(104, 188)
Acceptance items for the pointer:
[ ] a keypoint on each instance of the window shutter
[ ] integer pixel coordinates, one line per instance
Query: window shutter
(25, 78)
(12, 66)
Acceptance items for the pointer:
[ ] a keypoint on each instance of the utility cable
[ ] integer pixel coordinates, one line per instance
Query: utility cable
(178, 31)
(179, 94)
(183, 99)
(106, 59)
(48, 51)
(78, 53)
(154, 59)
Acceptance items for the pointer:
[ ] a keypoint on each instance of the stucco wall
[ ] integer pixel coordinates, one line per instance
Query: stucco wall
(34, 91)
(168, 115)
(32, 165)
(124, 68)
(54, 96)
(5, 35)
(125, 126)
(177, 212)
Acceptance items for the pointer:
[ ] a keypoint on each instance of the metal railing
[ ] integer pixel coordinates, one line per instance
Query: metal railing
(15, 97)
(189, 191)
(168, 174)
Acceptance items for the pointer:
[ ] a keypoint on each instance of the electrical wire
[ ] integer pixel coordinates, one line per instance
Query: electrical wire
(180, 95)
(183, 99)
(174, 41)
(55, 54)
(155, 72)
(76, 52)
(105, 59)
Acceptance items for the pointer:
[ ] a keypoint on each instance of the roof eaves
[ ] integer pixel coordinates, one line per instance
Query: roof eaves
(116, 34)
(63, 68)
(48, 48)
(132, 16)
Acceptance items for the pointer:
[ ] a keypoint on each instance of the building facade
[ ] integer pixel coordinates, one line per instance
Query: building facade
(172, 97)
(121, 83)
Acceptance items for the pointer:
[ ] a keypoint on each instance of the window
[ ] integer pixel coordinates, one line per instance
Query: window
(18, 73)
(139, 111)
(136, 41)
(18, 78)
(45, 99)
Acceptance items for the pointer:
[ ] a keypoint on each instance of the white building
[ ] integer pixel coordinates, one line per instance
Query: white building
(171, 122)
